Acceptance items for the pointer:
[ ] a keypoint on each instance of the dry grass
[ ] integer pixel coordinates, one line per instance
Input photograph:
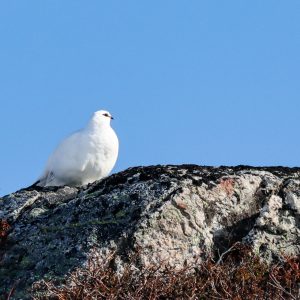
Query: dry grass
(238, 275)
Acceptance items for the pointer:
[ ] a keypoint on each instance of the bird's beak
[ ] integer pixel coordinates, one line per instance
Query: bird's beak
(111, 117)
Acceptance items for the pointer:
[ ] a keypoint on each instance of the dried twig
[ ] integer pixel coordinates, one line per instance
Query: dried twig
(227, 251)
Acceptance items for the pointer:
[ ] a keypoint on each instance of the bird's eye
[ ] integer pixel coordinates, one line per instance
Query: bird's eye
(106, 115)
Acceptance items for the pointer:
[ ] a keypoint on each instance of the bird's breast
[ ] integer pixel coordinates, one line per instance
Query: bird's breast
(103, 152)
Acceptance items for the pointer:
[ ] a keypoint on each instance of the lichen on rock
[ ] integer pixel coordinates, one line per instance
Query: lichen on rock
(164, 215)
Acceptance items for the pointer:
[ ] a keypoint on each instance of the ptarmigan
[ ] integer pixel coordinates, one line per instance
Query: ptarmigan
(85, 156)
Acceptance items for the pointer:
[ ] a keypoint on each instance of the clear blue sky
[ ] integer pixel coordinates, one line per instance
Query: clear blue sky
(203, 82)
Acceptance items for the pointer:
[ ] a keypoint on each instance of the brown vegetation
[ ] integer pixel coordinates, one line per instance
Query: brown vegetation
(4, 227)
(4, 230)
(238, 274)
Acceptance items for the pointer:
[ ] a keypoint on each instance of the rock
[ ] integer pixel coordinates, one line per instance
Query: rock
(165, 215)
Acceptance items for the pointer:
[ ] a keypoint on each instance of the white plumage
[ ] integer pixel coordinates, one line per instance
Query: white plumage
(85, 156)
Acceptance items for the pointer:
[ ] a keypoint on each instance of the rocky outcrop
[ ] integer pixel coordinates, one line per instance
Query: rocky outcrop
(165, 215)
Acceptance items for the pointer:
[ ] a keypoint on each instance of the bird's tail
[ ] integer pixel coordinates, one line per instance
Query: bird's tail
(41, 182)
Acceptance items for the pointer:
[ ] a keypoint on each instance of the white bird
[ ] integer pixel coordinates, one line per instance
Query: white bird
(85, 156)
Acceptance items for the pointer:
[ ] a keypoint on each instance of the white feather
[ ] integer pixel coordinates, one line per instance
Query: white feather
(84, 157)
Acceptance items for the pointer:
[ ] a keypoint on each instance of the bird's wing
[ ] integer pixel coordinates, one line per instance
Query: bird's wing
(69, 153)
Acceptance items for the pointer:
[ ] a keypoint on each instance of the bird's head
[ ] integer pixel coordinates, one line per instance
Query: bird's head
(102, 117)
